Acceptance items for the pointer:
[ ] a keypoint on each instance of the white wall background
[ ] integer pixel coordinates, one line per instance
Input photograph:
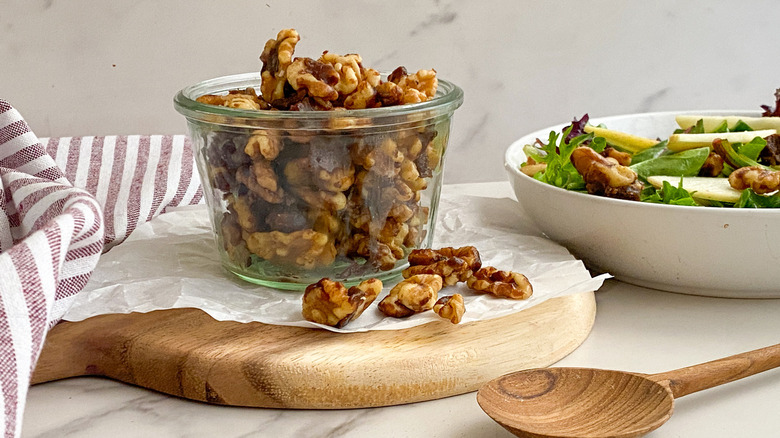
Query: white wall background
(96, 67)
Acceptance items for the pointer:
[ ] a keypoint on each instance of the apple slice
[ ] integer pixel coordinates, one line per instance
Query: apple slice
(622, 140)
(708, 188)
(682, 142)
(711, 122)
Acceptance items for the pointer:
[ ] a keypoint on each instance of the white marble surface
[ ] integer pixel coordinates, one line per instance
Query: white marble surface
(636, 329)
(94, 67)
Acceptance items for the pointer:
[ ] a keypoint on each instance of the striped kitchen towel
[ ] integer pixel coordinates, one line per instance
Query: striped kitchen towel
(63, 202)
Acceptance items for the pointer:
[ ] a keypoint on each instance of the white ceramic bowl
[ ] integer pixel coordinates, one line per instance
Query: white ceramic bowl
(694, 250)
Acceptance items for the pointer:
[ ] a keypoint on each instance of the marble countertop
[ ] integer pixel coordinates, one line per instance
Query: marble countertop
(636, 329)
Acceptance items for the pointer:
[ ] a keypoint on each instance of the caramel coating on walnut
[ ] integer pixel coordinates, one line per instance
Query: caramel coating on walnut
(317, 78)
(417, 87)
(450, 307)
(604, 176)
(277, 57)
(239, 101)
(349, 69)
(622, 158)
(263, 144)
(306, 248)
(760, 179)
(413, 295)
(330, 303)
(261, 180)
(506, 284)
(713, 165)
(452, 264)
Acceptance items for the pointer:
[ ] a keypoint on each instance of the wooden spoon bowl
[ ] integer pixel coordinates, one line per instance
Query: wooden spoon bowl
(592, 403)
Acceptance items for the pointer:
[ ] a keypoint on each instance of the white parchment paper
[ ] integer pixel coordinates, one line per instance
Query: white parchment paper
(172, 262)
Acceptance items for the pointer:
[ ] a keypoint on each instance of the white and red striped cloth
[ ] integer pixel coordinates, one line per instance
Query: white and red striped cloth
(63, 202)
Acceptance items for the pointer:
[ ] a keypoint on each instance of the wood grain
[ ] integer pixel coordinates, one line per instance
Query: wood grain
(186, 353)
(595, 403)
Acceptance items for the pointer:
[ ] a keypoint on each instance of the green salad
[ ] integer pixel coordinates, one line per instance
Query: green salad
(716, 161)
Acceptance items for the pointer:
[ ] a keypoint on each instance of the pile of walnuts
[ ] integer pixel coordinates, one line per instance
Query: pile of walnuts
(301, 198)
(331, 303)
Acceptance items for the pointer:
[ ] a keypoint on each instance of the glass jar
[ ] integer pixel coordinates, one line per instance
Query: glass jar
(296, 196)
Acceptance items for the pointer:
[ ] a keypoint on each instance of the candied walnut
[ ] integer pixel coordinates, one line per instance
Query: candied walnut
(242, 210)
(365, 94)
(305, 248)
(261, 180)
(418, 87)
(331, 303)
(604, 176)
(377, 253)
(389, 94)
(452, 264)
(320, 171)
(506, 284)
(226, 149)
(318, 78)
(452, 270)
(327, 223)
(276, 58)
(713, 165)
(401, 212)
(222, 178)
(231, 240)
(348, 68)
(760, 179)
(233, 100)
(450, 307)
(428, 160)
(411, 176)
(416, 224)
(393, 234)
(414, 295)
(383, 159)
(320, 199)
(533, 169)
(397, 74)
(231, 231)
(429, 256)
(363, 97)
(263, 144)
(622, 158)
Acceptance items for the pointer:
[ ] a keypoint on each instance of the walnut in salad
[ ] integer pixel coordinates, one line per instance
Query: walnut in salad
(725, 161)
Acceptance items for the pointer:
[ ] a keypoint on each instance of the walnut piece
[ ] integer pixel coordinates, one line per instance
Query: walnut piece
(305, 248)
(450, 307)
(413, 295)
(452, 264)
(318, 78)
(605, 176)
(261, 180)
(506, 284)
(263, 144)
(276, 58)
(760, 179)
(331, 303)
(348, 68)
(713, 165)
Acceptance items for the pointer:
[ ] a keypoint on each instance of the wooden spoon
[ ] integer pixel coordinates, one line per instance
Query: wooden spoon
(592, 403)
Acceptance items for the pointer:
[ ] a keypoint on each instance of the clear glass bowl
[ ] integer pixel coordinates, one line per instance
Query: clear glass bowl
(296, 196)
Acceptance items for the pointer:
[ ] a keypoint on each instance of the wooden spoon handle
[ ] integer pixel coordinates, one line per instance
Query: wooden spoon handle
(695, 378)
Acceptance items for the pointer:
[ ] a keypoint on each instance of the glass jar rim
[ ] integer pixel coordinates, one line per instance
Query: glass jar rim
(447, 99)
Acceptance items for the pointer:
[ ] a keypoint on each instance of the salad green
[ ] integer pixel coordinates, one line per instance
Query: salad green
(677, 170)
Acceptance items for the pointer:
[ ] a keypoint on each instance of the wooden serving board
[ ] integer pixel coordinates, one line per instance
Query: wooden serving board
(186, 353)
